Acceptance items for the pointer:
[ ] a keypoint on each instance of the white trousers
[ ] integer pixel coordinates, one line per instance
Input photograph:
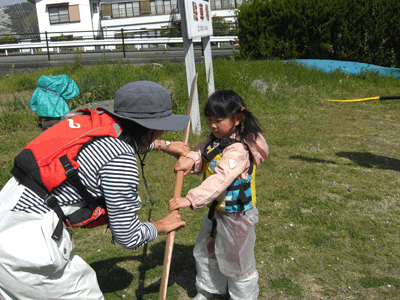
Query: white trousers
(32, 264)
(227, 261)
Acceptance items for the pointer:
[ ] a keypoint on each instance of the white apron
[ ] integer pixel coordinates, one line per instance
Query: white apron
(32, 264)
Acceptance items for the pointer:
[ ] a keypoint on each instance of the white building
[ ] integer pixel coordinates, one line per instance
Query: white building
(77, 19)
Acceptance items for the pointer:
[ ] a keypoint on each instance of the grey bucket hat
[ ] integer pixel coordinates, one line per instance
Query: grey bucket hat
(148, 104)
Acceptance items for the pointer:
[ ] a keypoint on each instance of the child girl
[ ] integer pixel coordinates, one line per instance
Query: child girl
(224, 249)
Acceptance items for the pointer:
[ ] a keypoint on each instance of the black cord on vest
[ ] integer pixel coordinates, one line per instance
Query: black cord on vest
(142, 164)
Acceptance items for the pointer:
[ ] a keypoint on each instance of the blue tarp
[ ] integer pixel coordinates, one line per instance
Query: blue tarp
(346, 66)
(49, 98)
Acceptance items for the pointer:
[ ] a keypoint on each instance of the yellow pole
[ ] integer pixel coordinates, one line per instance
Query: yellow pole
(357, 100)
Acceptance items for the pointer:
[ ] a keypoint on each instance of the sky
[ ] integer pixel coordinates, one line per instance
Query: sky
(11, 2)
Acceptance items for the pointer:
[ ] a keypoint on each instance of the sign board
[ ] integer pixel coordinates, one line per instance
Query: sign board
(198, 16)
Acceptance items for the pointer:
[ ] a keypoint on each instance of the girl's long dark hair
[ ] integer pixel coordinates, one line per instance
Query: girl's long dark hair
(227, 103)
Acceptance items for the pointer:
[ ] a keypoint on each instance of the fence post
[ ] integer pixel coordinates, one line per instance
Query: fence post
(47, 46)
(123, 42)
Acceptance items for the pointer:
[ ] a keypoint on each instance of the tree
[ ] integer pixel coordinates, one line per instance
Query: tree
(5, 22)
(220, 27)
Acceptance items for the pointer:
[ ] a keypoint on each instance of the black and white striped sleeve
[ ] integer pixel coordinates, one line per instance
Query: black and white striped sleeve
(119, 180)
(108, 169)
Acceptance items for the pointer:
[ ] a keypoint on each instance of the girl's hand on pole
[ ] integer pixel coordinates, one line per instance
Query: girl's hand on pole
(184, 164)
(178, 149)
(171, 222)
(178, 202)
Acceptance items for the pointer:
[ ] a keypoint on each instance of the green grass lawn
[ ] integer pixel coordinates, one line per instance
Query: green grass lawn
(327, 194)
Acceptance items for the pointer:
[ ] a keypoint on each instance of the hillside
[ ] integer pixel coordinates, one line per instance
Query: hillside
(30, 13)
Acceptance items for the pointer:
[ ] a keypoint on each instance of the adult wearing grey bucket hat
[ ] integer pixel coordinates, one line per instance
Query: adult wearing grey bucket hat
(33, 263)
(148, 104)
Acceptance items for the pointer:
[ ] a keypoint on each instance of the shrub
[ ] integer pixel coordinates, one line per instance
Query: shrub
(220, 27)
(9, 40)
(357, 30)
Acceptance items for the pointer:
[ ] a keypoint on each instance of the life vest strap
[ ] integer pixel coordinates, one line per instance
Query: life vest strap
(245, 185)
(210, 216)
(52, 203)
(49, 199)
(207, 157)
(212, 209)
(239, 202)
(29, 183)
(243, 199)
(73, 177)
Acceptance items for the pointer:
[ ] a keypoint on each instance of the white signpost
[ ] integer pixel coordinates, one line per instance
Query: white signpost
(196, 22)
(198, 17)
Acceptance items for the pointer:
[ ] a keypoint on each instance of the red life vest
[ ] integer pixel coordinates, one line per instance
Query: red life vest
(50, 159)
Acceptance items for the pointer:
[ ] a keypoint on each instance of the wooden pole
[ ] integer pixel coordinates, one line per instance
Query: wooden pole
(177, 193)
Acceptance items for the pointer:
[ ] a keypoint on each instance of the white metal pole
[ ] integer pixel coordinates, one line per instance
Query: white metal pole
(190, 69)
(209, 65)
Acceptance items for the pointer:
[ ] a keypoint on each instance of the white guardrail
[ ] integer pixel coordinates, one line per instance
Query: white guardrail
(110, 42)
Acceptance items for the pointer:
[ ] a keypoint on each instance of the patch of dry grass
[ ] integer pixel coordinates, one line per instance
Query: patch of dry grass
(9, 100)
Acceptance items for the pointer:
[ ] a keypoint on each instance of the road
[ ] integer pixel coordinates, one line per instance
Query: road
(26, 62)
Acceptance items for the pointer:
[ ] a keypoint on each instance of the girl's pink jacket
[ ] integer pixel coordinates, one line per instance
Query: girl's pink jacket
(233, 164)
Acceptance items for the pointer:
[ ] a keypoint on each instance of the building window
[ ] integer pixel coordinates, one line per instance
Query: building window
(163, 7)
(125, 10)
(138, 8)
(219, 4)
(95, 8)
(59, 14)
(63, 14)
